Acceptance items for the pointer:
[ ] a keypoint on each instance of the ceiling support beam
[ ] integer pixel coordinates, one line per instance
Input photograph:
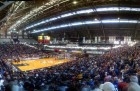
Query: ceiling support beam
(99, 18)
(6, 3)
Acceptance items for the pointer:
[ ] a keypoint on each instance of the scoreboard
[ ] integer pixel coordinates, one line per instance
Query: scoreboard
(44, 39)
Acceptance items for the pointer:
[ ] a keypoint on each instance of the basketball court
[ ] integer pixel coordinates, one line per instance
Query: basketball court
(27, 65)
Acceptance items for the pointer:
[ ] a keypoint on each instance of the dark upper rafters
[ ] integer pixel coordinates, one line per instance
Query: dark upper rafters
(82, 3)
(62, 8)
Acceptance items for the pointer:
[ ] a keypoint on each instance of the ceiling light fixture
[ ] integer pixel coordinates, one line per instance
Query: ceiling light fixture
(75, 2)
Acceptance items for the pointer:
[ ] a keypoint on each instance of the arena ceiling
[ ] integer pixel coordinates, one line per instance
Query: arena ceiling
(19, 15)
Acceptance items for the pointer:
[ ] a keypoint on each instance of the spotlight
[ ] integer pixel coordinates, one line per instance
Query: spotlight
(75, 2)
(42, 34)
(95, 19)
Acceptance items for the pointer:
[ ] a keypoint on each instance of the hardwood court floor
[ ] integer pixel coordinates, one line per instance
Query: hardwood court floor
(39, 63)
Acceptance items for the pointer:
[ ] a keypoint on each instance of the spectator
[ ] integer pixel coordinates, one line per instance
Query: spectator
(133, 85)
(108, 86)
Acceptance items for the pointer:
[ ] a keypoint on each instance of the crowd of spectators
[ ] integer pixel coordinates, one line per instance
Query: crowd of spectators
(116, 70)
(11, 51)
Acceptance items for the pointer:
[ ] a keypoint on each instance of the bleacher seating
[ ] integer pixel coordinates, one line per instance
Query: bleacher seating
(5, 40)
(28, 41)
